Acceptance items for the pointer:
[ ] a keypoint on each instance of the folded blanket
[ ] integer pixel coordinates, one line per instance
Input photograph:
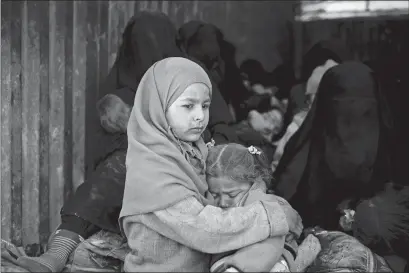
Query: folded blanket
(343, 253)
(102, 252)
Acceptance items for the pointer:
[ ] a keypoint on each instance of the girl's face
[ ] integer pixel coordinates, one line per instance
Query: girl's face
(189, 114)
(227, 192)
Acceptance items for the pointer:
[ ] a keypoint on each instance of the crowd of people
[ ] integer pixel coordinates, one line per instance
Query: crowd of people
(201, 165)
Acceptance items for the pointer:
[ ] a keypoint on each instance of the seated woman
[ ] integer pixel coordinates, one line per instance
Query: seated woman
(147, 38)
(341, 150)
(237, 176)
(167, 214)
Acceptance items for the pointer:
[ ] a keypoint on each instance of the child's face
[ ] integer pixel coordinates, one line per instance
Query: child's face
(269, 123)
(189, 114)
(227, 192)
(114, 114)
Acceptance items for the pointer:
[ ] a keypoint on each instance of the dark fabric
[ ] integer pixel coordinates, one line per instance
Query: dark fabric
(77, 225)
(232, 86)
(297, 100)
(199, 40)
(332, 49)
(205, 43)
(284, 78)
(99, 199)
(342, 149)
(254, 71)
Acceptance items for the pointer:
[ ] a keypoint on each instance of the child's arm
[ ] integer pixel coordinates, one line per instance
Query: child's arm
(210, 229)
(259, 257)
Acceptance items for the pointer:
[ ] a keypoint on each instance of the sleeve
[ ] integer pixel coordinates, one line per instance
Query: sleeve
(212, 230)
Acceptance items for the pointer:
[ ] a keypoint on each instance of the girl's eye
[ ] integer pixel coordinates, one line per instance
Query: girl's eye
(188, 106)
(232, 195)
(205, 106)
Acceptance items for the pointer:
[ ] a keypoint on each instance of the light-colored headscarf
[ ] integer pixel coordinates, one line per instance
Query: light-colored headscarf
(158, 170)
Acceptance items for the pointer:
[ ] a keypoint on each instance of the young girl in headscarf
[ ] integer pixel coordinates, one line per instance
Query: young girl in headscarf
(238, 176)
(167, 213)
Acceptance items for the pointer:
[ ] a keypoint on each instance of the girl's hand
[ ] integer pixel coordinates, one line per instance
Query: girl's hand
(294, 220)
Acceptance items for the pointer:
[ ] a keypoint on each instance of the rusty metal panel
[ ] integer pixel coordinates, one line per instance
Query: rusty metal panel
(6, 122)
(30, 62)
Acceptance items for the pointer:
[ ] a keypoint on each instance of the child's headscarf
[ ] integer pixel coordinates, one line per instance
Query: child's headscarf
(158, 173)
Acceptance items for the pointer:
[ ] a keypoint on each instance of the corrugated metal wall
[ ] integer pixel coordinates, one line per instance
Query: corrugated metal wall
(51, 51)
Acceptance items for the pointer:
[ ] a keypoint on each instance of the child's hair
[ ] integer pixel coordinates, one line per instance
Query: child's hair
(236, 162)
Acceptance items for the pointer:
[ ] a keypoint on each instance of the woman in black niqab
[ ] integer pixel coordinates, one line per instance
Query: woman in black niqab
(342, 149)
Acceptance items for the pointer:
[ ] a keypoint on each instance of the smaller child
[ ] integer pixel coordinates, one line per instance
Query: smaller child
(237, 175)
(114, 113)
(268, 124)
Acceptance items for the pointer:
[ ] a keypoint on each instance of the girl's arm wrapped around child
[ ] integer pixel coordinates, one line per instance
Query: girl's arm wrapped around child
(211, 229)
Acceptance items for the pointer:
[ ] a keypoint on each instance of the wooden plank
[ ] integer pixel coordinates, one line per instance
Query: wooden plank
(31, 123)
(153, 5)
(78, 93)
(165, 7)
(6, 122)
(113, 32)
(143, 5)
(43, 7)
(130, 9)
(92, 81)
(298, 47)
(57, 111)
(68, 29)
(16, 106)
(102, 34)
